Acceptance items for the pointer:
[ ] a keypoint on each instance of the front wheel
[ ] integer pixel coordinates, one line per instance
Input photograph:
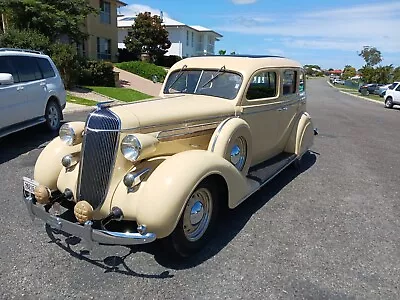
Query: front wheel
(53, 116)
(389, 102)
(197, 220)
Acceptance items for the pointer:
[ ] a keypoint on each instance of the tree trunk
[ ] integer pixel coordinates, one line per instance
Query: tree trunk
(3, 22)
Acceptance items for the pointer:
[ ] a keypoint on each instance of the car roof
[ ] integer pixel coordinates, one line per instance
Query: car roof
(22, 52)
(242, 63)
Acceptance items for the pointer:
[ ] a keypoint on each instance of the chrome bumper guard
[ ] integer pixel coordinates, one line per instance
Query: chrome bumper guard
(86, 231)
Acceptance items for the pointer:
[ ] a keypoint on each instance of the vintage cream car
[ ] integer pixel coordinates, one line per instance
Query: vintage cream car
(222, 127)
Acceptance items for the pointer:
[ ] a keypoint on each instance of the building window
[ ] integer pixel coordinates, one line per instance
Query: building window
(103, 48)
(105, 12)
(263, 85)
(187, 37)
(192, 39)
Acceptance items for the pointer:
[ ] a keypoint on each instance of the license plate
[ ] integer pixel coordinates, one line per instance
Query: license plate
(29, 185)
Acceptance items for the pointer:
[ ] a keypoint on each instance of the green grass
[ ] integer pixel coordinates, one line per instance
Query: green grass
(354, 91)
(81, 101)
(122, 94)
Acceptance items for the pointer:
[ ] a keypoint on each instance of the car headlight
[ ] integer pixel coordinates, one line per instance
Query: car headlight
(71, 133)
(131, 147)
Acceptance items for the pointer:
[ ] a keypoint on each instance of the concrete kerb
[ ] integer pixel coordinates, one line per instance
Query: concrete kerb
(356, 96)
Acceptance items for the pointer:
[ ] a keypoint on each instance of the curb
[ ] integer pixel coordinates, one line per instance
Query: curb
(356, 96)
(77, 108)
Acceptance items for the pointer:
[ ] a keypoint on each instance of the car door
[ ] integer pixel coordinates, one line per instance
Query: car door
(260, 109)
(290, 98)
(33, 86)
(11, 96)
(396, 94)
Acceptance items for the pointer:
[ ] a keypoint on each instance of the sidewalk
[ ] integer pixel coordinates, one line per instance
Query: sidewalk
(132, 81)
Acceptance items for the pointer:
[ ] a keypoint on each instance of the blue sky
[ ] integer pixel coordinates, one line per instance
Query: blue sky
(327, 33)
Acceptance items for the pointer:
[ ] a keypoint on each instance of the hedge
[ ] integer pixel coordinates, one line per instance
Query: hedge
(97, 73)
(143, 69)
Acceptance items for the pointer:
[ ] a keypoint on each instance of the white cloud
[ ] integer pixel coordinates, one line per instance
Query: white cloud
(240, 2)
(134, 9)
(338, 29)
(277, 52)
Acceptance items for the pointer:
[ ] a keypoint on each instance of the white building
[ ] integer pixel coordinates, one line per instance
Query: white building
(185, 40)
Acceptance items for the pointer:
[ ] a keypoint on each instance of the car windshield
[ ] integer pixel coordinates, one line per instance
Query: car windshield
(217, 83)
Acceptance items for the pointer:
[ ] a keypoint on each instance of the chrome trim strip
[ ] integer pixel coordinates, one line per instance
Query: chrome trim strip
(87, 232)
(290, 160)
(186, 131)
(219, 129)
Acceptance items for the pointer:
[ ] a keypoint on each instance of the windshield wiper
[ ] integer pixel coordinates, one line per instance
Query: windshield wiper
(214, 76)
(177, 76)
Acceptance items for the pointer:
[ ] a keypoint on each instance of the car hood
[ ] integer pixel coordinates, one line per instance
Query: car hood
(171, 111)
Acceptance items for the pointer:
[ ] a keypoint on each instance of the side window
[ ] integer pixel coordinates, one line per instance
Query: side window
(398, 88)
(302, 83)
(6, 67)
(45, 67)
(262, 85)
(27, 68)
(289, 82)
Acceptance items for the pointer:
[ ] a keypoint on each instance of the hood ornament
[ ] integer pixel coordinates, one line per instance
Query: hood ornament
(104, 104)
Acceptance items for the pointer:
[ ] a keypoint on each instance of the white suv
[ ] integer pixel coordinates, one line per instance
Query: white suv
(392, 95)
(31, 91)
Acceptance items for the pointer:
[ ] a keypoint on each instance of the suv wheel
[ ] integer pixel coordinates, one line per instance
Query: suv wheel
(389, 102)
(53, 116)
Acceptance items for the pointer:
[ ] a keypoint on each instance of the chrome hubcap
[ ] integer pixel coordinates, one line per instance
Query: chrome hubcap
(53, 116)
(239, 153)
(197, 214)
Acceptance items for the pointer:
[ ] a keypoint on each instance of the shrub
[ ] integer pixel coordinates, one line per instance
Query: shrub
(167, 61)
(143, 69)
(25, 39)
(97, 73)
(66, 60)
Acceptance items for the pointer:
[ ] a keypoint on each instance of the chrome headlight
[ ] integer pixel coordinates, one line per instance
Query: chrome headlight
(131, 147)
(67, 134)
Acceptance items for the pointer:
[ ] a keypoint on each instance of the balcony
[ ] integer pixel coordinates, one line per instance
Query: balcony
(204, 49)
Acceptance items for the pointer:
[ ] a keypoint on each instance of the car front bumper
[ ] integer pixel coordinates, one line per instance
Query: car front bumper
(86, 232)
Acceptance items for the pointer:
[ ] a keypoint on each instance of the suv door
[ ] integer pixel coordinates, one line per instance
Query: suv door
(260, 109)
(12, 96)
(396, 94)
(33, 86)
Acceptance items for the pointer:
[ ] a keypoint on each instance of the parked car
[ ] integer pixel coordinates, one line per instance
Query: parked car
(382, 90)
(392, 95)
(31, 91)
(222, 128)
(370, 88)
(338, 81)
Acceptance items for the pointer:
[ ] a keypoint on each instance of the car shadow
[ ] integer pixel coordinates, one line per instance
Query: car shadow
(23, 141)
(234, 220)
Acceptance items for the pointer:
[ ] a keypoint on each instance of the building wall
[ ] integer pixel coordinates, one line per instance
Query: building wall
(97, 29)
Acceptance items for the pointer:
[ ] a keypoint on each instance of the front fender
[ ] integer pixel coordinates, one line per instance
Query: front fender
(163, 195)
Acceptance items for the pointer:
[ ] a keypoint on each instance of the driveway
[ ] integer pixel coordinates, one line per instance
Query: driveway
(330, 231)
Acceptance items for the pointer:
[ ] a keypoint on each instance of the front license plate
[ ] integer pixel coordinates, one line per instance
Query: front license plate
(29, 185)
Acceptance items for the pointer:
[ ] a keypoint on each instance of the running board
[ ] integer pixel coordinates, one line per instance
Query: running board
(20, 126)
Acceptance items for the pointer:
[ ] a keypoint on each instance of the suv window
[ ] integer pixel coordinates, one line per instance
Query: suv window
(45, 67)
(289, 82)
(27, 68)
(262, 85)
(6, 67)
(398, 88)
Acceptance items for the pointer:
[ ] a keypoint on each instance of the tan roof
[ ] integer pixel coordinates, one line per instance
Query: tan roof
(243, 64)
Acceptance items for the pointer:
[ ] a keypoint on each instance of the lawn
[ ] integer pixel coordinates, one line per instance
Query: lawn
(354, 91)
(122, 94)
(81, 101)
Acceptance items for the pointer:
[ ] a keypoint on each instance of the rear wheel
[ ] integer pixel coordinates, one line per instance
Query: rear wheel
(53, 116)
(389, 102)
(197, 220)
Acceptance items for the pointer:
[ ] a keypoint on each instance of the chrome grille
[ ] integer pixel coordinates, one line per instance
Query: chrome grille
(99, 148)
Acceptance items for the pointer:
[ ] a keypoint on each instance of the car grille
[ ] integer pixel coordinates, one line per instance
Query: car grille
(99, 147)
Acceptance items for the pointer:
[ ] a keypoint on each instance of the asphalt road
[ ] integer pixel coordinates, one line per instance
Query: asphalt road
(330, 231)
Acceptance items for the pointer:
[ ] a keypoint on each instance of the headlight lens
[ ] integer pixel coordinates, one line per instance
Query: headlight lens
(67, 134)
(131, 147)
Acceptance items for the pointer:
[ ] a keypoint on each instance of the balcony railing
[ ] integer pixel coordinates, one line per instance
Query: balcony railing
(201, 48)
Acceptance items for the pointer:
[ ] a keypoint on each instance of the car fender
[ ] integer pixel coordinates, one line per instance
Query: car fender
(168, 188)
(302, 136)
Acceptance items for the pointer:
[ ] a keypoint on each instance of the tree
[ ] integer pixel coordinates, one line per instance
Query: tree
(222, 52)
(396, 74)
(52, 18)
(330, 69)
(233, 53)
(148, 36)
(349, 72)
(371, 55)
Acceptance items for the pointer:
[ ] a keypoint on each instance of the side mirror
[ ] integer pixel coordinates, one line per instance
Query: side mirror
(6, 79)
(154, 78)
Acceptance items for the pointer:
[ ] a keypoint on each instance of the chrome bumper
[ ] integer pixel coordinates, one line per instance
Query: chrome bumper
(86, 231)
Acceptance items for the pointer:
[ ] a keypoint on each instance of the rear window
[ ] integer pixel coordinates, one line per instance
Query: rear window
(289, 82)
(27, 68)
(45, 67)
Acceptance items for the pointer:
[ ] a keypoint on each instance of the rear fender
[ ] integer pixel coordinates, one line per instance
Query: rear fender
(161, 199)
(302, 136)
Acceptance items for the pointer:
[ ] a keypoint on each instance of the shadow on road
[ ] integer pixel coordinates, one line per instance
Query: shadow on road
(229, 226)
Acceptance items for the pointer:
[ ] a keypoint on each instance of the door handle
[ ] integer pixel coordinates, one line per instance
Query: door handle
(282, 109)
(42, 83)
(20, 88)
